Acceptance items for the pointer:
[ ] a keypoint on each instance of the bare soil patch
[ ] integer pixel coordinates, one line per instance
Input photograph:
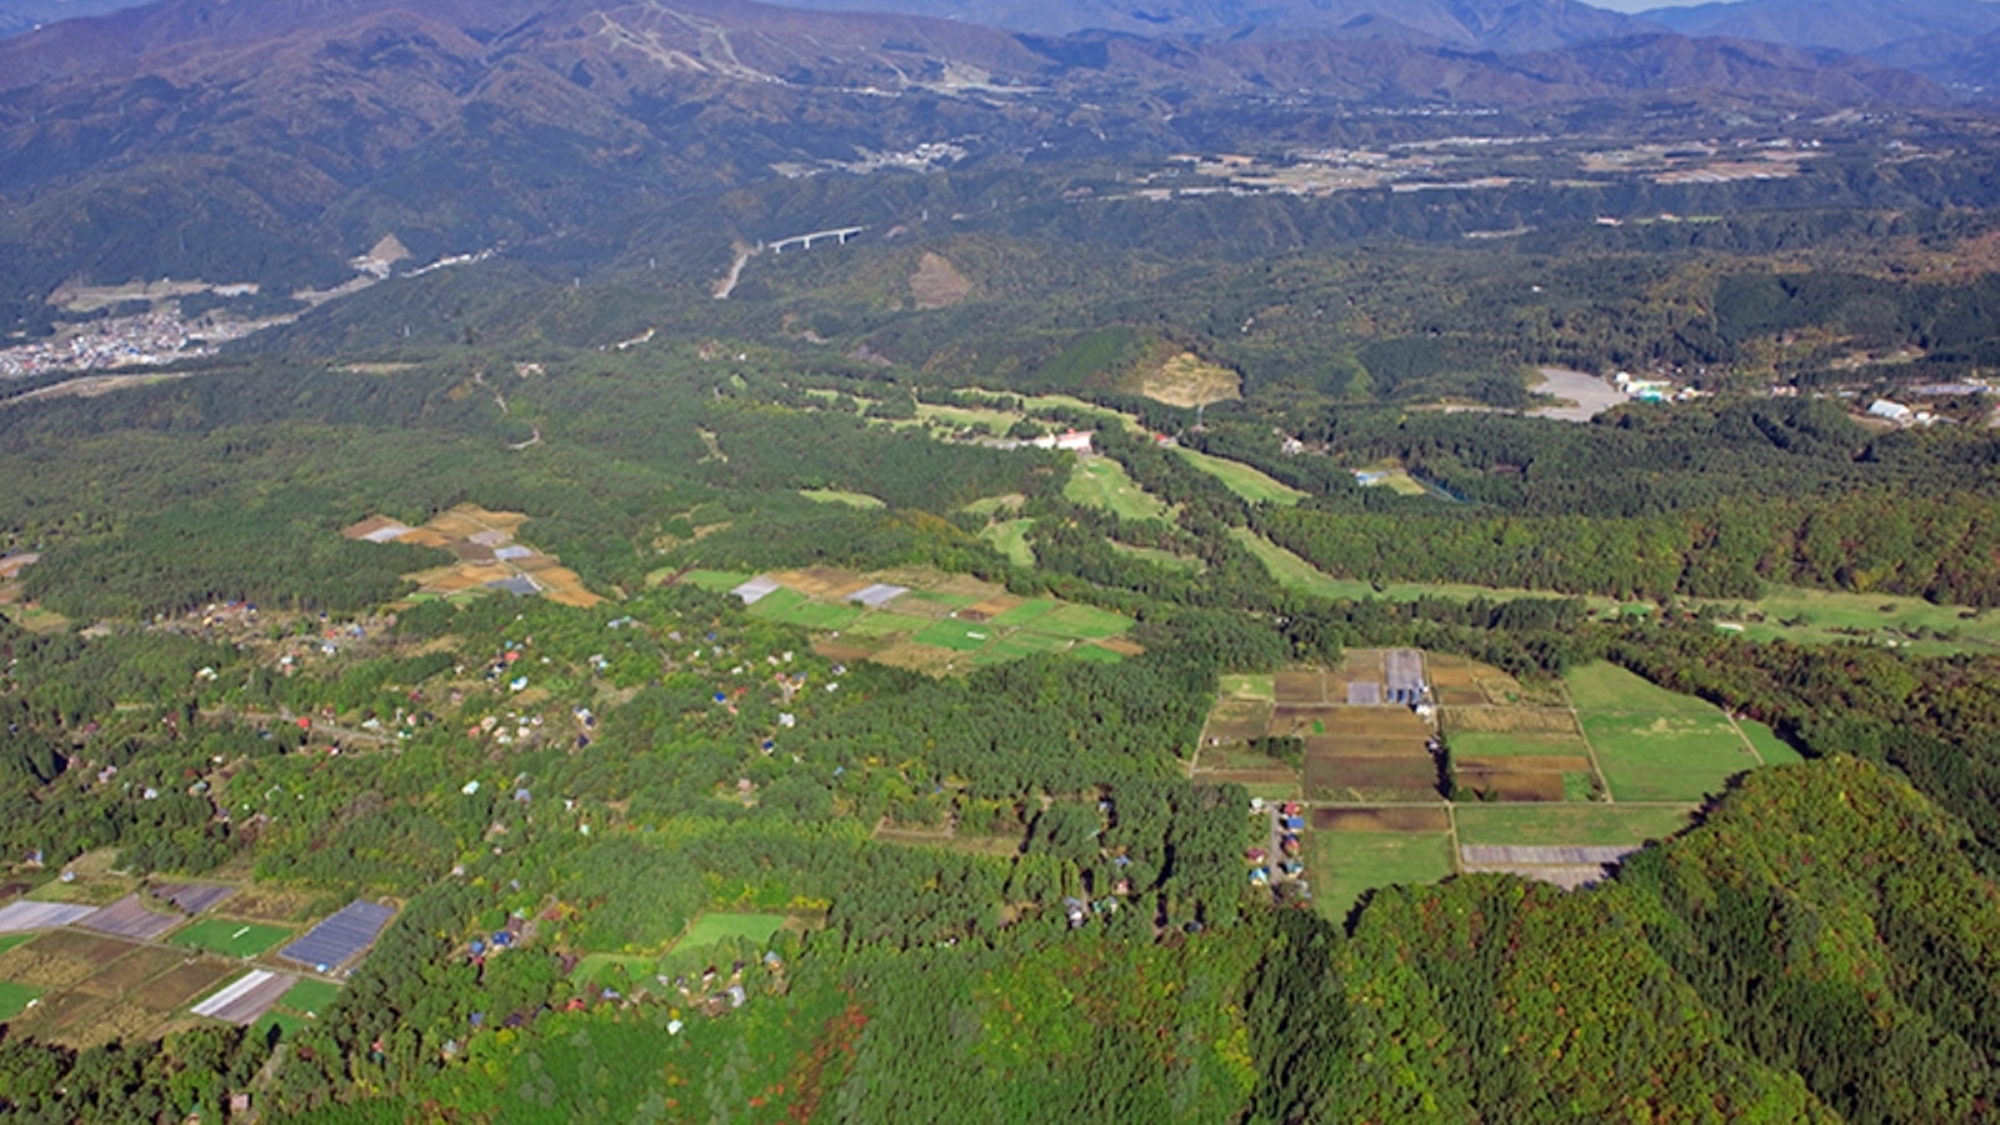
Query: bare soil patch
(1187, 381)
(269, 904)
(172, 990)
(1365, 774)
(1526, 763)
(1513, 720)
(937, 284)
(1300, 687)
(132, 970)
(1239, 720)
(1500, 785)
(1381, 820)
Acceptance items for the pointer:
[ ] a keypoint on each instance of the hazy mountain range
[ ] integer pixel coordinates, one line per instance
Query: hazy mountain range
(277, 138)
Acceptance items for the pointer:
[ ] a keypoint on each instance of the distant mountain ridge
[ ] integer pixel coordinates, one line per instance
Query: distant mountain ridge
(1952, 41)
(1488, 25)
(18, 16)
(272, 141)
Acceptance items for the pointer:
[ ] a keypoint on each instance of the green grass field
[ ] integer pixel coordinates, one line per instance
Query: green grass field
(717, 581)
(14, 941)
(1345, 865)
(1398, 480)
(1666, 757)
(1821, 616)
(959, 636)
(1262, 688)
(1095, 654)
(14, 999)
(1026, 643)
(711, 928)
(995, 505)
(836, 496)
(1606, 687)
(996, 422)
(287, 1024)
(311, 997)
(1480, 743)
(1295, 573)
(1774, 750)
(1027, 613)
(1010, 538)
(1578, 824)
(1101, 482)
(231, 939)
(776, 604)
(1243, 480)
(1083, 623)
(822, 615)
(879, 625)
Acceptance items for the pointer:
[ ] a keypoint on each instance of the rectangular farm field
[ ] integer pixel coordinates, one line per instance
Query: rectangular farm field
(1566, 824)
(1606, 687)
(1027, 613)
(1495, 744)
(1665, 757)
(819, 615)
(231, 938)
(1345, 778)
(1083, 623)
(957, 636)
(1346, 865)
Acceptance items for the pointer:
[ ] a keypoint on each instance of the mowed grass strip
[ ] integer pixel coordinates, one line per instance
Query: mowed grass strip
(1244, 481)
(1604, 686)
(1346, 865)
(1010, 538)
(1666, 757)
(1100, 482)
(1774, 750)
(231, 938)
(1573, 824)
(15, 941)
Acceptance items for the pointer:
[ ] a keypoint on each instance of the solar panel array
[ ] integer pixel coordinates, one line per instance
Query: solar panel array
(341, 936)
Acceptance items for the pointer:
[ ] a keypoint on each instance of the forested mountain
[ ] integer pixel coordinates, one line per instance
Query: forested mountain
(272, 143)
(1214, 561)
(1473, 24)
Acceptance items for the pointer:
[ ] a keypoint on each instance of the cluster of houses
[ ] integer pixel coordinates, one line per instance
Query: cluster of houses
(1265, 869)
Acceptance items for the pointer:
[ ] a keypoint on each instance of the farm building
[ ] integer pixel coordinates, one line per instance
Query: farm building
(1893, 411)
(1075, 441)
